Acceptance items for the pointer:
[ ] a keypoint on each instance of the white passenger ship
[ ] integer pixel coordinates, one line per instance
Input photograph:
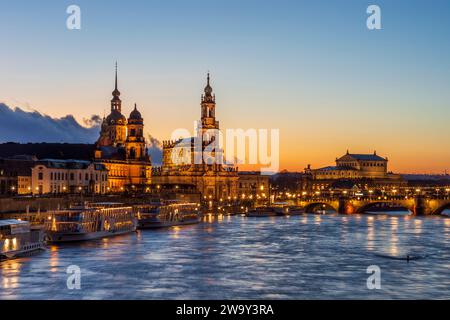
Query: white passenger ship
(167, 215)
(90, 221)
(18, 238)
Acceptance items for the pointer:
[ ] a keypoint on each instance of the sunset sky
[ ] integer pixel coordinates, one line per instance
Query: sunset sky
(309, 68)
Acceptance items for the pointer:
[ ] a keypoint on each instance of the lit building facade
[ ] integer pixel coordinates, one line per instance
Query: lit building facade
(50, 176)
(253, 186)
(121, 148)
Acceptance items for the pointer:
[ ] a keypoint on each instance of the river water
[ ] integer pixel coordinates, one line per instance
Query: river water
(301, 257)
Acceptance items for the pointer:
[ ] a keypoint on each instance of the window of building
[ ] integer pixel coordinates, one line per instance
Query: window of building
(40, 176)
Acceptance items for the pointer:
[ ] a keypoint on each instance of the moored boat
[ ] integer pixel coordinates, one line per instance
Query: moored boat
(167, 215)
(19, 238)
(277, 209)
(90, 221)
(294, 211)
(263, 212)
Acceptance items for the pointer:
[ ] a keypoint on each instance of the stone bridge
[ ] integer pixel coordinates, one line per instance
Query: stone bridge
(418, 205)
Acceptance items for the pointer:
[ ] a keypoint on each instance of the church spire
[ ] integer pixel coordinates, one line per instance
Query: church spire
(116, 75)
(116, 103)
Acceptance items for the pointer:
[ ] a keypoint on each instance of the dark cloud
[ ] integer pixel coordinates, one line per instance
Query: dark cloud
(17, 125)
(154, 150)
(95, 120)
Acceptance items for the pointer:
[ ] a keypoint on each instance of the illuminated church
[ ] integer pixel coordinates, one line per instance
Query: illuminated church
(185, 166)
(122, 148)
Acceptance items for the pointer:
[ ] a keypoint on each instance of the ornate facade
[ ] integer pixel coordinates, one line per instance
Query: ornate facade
(185, 165)
(122, 148)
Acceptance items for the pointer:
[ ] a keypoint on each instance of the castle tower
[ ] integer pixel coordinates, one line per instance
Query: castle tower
(114, 127)
(208, 106)
(135, 143)
(116, 103)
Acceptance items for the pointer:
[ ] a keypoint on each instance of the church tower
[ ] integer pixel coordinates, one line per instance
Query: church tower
(114, 127)
(208, 106)
(116, 103)
(135, 144)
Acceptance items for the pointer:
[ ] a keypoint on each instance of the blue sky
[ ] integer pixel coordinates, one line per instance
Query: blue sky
(310, 68)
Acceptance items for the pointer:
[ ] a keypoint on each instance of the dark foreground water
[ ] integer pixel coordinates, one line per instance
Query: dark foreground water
(303, 257)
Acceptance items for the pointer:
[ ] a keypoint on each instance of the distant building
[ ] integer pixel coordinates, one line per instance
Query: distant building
(15, 175)
(253, 185)
(369, 170)
(214, 181)
(121, 147)
(52, 176)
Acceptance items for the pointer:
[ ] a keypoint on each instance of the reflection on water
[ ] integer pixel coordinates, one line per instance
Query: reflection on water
(309, 256)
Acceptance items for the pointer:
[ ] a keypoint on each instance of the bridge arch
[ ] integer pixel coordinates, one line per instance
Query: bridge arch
(313, 207)
(382, 204)
(441, 209)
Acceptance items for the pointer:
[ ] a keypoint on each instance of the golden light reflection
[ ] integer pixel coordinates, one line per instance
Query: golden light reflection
(370, 233)
(9, 274)
(105, 243)
(176, 232)
(317, 219)
(417, 226)
(393, 247)
(208, 218)
(54, 258)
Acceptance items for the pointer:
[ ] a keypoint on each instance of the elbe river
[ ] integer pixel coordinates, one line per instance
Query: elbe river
(299, 257)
